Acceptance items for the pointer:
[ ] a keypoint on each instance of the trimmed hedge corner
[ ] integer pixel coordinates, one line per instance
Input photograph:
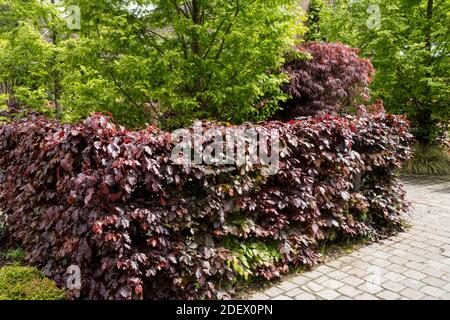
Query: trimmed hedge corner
(26, 283)
(111, 202)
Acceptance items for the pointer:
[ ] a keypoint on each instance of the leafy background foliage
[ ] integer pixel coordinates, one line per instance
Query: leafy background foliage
(410, 51)
(159, 62)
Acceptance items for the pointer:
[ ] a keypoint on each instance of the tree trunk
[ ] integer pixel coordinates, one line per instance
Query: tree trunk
(56, 83)
(195, 46)
(196, 19)
(425, 114)
(305, 5)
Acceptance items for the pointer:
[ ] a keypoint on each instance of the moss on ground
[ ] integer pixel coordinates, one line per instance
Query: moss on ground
(27, 283)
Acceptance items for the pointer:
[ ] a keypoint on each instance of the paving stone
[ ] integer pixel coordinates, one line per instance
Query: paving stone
(259, 296)
(300, 280)
(381, 255)
(335, 264)
(375, 278)
(416, 266)
(282, 298)
(421, 239)
(380, 262)
(434, 272)
(273, 292)
(356, 254)
(370, 288)
(369, 249)
(353, 281)
(343, 298)
(368, 258)
(358, 272)
(286, 285)
(396, 268)
(394, 276)
(313, 274)
(360, 264)
(393, 286)
(366, 296)
(389, 242)
(295, 292)
(337, 275)
(398, 253)
(446, 287)
(432, 256)
(436, 265)
(321, 279)
(445, 261)
(349, 291)
(434, 244)
(412, 294)
(433, 291)
(417, 258)
(328, 294)
(324, 269)
(398, 259)
(416, 275)
(314, 287)
(332, 284)
(377, 246)
(402, 236)
(347, 259)
(413, 284)
(388, 295)
(435, 282)
(401, 246)
(305, 296)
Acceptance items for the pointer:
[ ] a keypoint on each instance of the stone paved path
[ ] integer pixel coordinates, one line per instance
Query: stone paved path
(412, 265)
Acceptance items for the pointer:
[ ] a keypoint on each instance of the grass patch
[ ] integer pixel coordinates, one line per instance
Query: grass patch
(16, 255)
(431, 160)
(27, 283)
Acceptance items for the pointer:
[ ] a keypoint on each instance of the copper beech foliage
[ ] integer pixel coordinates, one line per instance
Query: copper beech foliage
(111, 202)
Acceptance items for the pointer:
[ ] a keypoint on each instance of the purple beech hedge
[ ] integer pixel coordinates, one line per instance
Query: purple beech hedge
(111, 202)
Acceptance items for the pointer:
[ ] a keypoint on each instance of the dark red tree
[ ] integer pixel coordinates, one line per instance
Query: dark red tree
(334, 80)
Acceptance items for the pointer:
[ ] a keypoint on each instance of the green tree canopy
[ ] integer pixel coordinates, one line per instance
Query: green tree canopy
(28, 52)
(180, 60)
(408, 43)
(165, 62)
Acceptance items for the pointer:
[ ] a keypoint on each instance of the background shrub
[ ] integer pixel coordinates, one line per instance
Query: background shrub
(429, 160)
(333, 80)
(25, 283)
(139, 226)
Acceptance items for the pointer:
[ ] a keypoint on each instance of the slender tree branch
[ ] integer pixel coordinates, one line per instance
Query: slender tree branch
(179, 10)
(213, 38)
